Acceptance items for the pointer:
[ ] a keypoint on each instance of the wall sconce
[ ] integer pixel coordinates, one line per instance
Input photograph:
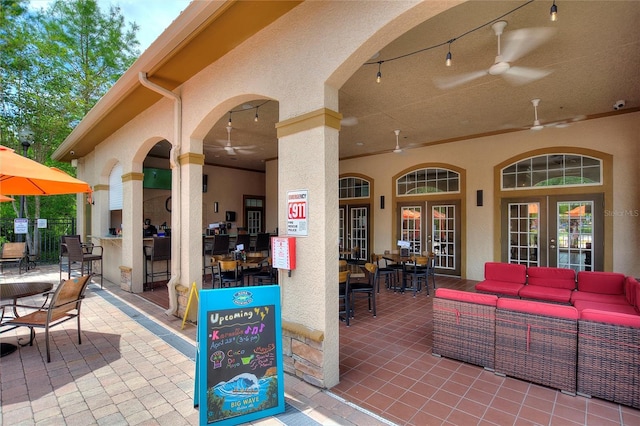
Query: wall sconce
(382, 202)
(215, 207)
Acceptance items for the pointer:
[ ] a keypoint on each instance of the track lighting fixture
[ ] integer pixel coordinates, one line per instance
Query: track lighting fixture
(256, 117)
(379, 75)
(554, 11)
(229, 123)
(447, 62)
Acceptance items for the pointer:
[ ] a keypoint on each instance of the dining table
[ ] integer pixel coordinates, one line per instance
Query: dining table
(10, 293)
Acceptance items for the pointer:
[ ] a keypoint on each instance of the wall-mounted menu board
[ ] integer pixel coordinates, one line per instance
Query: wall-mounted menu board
(239, 370)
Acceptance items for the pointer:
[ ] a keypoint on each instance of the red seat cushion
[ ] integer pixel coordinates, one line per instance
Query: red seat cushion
(601, 282)
(551, 294)
(581, 305)
(499, 287)
(618, 299)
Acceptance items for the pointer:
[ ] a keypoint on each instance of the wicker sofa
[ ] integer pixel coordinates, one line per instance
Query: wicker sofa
(588, 344)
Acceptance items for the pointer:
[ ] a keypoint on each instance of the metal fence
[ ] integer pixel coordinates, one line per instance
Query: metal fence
(43, 243)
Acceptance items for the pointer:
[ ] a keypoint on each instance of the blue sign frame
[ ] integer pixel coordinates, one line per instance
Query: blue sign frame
(239, 368)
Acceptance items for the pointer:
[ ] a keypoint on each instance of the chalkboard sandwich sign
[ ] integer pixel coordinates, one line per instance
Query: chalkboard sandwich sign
(239, 370)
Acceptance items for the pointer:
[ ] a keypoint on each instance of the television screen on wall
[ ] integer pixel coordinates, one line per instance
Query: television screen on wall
(156, 178)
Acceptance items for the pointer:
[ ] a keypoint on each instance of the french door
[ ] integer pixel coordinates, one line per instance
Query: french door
(558, 231)
(434, 227)
(354, 229)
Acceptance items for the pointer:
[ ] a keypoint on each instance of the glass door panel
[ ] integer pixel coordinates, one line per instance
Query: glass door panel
(411, 229)
(524, 233)
(443, 230)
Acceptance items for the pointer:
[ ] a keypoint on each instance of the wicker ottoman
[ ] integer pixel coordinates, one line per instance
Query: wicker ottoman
(464, 326)
(537, 342)
(609, 356)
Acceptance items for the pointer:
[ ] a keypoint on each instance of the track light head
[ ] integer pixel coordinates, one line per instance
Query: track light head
(448, 60)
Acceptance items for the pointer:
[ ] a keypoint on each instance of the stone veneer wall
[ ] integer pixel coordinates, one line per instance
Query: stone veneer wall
(303, 353)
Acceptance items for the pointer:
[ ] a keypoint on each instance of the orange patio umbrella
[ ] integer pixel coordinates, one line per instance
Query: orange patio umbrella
(4, 198)
(22, 176)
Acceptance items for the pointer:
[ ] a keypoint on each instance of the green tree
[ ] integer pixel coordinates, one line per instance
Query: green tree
(55, 65)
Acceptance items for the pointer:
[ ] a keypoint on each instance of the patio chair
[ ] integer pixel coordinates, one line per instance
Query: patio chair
(78, 254)
(64, 305)
(344, 309)
(14, 253)
(367, 288)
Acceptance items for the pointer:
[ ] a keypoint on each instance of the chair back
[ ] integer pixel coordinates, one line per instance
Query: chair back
(221, 244)
(244, 240)
(342, 265)
(68, 296)
(421, 260)
(161, 248)
(228, 265)
(263, 241)
(73, 248)
(343, 277)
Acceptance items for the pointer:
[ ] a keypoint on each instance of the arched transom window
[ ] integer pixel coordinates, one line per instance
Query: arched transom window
(353, 187)
(552, 170)
(427, 181)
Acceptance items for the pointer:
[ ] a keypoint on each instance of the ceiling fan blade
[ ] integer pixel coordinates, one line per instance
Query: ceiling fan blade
(517, 76)
(349, 121)
(457, 80)
(518, 43)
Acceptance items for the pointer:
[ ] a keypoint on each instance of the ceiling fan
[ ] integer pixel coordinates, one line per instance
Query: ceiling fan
(233, 150)
(517, 44)
(557, 124)
(397, 150)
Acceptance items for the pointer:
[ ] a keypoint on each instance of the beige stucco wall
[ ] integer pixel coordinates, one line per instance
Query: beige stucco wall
(618, 136)
(337, 38)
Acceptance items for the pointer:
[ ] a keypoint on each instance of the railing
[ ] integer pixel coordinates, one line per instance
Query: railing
(43, 243)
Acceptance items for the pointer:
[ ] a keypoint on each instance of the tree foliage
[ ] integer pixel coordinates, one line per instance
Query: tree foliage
(55, 65)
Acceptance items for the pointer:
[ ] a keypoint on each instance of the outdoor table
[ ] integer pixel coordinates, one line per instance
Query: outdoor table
(11, 292)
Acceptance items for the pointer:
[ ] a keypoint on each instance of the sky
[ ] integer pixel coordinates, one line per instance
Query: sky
(152, 16)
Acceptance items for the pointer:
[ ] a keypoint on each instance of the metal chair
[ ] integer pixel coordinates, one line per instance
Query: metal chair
(415, 273)
(64, 306)
(263, 242)
(230, 273)
(243, 240)
(390, 274)
(207, 250)
(343, 296)
(221, 244)
(159, 251)
(367, 288)
(80, 254)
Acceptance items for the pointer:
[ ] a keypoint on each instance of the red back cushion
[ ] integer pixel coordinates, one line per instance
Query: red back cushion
(601, 282)
(538, 308)
(552, 277)
(509, 272)
(467, 296)
(630, 290)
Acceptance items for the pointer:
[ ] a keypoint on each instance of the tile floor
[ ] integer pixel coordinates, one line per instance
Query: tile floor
(386, 366)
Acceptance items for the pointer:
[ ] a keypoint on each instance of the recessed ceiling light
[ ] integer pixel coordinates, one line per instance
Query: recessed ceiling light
(360, 143)
(375, 56)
